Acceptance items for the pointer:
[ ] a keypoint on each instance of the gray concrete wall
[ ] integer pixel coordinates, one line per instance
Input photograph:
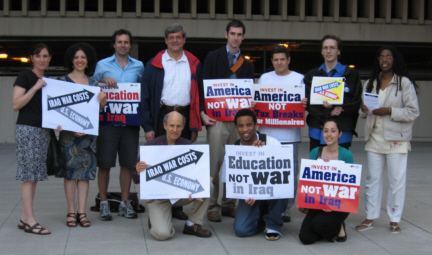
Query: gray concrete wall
(205, 28)
(421, 131)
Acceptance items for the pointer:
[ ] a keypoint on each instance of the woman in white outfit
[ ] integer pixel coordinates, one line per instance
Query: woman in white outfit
(388, 133)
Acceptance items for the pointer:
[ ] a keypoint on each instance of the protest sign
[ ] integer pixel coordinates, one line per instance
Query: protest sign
(72, 106)
(175, 171)
(279, 105)
(261, 173)
(332, 185)
(225, 97)
(123, 105)
(329, 89)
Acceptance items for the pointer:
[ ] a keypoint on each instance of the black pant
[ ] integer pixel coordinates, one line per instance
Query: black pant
(319, 225)
(313, 143)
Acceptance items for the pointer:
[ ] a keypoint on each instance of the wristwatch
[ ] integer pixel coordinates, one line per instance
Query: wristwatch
(390, 110)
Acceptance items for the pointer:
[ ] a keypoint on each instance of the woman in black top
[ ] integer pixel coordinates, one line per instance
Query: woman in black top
(31, 139)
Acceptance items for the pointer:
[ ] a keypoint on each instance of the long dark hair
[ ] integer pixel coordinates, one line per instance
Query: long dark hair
(399, 68)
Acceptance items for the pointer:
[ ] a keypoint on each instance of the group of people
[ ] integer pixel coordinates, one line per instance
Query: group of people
(173, 112)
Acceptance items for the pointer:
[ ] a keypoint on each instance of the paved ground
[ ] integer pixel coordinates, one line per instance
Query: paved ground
(123, 236)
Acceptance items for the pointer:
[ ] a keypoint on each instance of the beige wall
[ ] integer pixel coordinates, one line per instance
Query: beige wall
(421, 131)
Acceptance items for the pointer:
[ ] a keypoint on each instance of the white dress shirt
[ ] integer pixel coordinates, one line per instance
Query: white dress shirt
(177, 81)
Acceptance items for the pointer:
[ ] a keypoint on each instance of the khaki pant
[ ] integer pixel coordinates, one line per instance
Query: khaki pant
(160, 215)
(218, 135)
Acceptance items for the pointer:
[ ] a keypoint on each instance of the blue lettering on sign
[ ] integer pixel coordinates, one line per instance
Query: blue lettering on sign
(327, 86)
(233, 91)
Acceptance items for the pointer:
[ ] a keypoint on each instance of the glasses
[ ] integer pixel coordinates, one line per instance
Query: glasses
(329, 48)
(385, 57)
(177, 38)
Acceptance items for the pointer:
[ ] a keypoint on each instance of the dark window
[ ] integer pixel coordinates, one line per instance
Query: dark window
(128, 6)
(220, 6)
(309, 8)
(15, 5)
(343, 9)
(202, 6)
(147, 6)
(53, 5)
(110, 6)
(256, 7)
(185, 6)
(91, 5)
(72, 5)
(293, 10)
(34, 5)
(166, 6)
(428, 10)
(275, 9)
(239, 7)
(326, 9)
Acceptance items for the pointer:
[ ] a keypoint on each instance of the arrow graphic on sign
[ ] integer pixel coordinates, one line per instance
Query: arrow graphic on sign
(73, 115)
(175, 163)
(181, 182)
(69, 99)
(329, 94)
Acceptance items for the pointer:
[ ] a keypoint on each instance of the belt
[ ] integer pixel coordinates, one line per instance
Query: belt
(175, 108)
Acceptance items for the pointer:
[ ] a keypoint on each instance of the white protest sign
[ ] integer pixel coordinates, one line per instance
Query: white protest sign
(261, 173)
(74, 107)
(175, 171)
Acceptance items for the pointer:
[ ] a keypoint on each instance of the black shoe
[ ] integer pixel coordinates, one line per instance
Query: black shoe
(177, 212)
(342, 238)
(286, 218)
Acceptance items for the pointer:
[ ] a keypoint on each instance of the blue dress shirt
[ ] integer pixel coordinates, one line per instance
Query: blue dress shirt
(110, 68)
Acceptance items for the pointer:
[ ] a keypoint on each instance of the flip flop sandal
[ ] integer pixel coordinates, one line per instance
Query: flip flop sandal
(395, 229)
(23, 224)
(72, 223)
(83, 223)
(36, 227)
(364, 226)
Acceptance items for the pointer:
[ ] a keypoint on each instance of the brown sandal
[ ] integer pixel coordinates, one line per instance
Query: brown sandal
(83, 223)
(72, 223)
(394, 228)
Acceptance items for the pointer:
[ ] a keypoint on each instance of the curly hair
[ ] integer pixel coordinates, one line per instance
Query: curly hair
(399, 68)
(90, 54)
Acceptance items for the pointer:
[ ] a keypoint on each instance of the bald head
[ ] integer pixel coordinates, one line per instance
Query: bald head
(173, 123)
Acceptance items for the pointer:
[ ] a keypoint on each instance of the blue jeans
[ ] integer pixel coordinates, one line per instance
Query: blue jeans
(249, 220)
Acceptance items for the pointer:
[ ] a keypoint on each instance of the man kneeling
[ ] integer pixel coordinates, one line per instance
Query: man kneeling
(160, 210)
(253, 215)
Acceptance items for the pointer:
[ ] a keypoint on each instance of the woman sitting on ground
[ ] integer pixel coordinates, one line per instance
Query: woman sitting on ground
(327, 224)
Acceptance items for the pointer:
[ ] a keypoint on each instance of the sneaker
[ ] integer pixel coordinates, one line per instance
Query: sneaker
(196, 230)
(104, 212)
(126, 210)
(272, 235)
